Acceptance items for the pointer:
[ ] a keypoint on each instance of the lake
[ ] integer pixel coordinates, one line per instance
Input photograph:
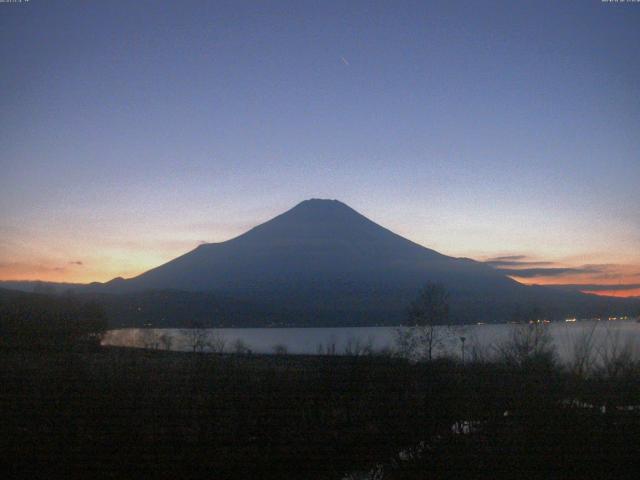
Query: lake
(605, 336)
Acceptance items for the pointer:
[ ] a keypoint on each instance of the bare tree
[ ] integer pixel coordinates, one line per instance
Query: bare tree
(583, 349)
(239, 346)
(280, 349)
(216, 342)
(428, 313)
(166, 340)
(616, 358)
(196, 337)
(356, 347)
(406, 342)
(329, 348)
(529, 342)
(149, 339)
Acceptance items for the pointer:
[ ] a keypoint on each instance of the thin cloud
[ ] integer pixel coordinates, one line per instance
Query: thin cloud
(547, 272)
(507, 258)
(524, 267)
(608, 272)
(76, 262)
(597, 287)
(516, 263)
(345, 61)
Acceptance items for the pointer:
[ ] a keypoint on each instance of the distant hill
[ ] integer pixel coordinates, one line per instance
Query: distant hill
(37, 286)
(323, 263)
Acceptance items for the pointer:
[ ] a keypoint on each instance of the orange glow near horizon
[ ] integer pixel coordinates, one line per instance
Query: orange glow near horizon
(625, 293)
(615, 293)
(24, 272)
(85, 271)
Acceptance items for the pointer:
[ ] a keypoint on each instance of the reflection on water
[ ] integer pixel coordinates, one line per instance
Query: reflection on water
(567, 338)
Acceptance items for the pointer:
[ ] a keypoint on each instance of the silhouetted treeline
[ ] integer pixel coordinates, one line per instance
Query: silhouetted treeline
(344, 307)
(37, 321)
(176, 309)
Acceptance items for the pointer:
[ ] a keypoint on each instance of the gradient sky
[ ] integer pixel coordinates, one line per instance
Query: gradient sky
(504, 131)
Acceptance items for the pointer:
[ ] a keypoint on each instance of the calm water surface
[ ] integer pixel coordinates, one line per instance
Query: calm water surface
(567, 336)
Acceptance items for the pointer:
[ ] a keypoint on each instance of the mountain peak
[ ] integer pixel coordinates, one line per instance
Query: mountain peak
(319, 210)
(330, 225)
(322, 203)
(312, 219)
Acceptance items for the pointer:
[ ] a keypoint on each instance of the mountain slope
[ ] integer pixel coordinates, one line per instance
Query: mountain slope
(318, 245)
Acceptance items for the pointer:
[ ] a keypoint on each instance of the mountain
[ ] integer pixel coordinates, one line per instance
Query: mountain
(323, 263)
(318, 244)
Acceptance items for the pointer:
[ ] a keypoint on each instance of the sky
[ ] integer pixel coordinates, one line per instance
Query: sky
(502, 131)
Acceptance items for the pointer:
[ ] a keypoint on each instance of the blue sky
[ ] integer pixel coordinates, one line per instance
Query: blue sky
(132, 130)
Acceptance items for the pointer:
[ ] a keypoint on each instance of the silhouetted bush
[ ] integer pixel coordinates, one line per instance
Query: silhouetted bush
(197, 415)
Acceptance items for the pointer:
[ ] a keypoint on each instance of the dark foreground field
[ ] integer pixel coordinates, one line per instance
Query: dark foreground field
(125, 413)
